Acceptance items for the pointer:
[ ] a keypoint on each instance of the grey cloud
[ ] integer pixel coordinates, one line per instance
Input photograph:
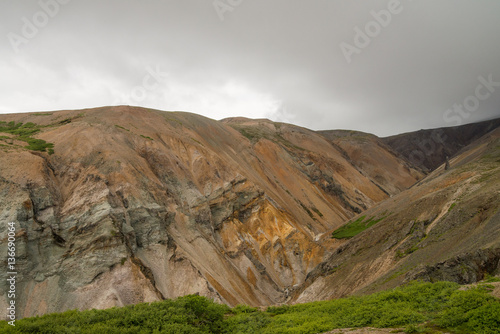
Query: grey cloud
(428, 58)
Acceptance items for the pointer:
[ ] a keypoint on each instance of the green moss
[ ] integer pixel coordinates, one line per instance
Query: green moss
(256, 133)
(452, 206)
(146, 137)
(38, 145)
(24, 132)
(352, 229)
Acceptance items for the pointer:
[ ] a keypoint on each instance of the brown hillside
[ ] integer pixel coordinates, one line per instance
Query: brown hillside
(137, 205)
(446, 227)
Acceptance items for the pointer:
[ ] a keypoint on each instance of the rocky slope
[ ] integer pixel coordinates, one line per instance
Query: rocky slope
(446, 227)
(130, 205)
(391, 172)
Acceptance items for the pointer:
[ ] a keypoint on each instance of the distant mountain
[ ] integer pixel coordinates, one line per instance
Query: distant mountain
(121, 205)
(428, 149)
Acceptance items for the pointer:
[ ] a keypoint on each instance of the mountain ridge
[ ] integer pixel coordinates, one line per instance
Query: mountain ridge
(136, 205)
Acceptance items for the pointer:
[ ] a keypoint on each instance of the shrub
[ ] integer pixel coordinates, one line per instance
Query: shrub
(415, 307)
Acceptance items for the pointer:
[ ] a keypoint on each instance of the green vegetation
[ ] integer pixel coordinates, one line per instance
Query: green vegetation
(24, 132)
(352, 229)
(452, 206)
(306, 209)
(317, 211)
(490, 279)
(416, 307)
(197, 141)
(121, 127)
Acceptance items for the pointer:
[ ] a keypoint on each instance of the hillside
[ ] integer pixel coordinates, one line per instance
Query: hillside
(391, 172)
(446, 227)
(122, 205)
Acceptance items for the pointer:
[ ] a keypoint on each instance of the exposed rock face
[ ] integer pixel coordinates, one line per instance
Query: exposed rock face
(446, 227)
(388, 170)
(138, 205)
(464, 269)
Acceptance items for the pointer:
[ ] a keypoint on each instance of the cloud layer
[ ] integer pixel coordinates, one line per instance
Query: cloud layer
(408, 66)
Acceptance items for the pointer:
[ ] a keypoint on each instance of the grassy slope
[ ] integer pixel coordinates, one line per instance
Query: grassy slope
(419, 307)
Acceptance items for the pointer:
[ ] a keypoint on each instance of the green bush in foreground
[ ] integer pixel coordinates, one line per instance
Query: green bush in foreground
(413, 307)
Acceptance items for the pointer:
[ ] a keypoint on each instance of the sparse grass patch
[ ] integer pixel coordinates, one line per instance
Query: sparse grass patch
(317, 211)
(352, 229)
(197, 141)
(24, 132)
(306, 209)
(146, 137)
(38, 145)
(255, 133)
(452, 206)
(121, 127)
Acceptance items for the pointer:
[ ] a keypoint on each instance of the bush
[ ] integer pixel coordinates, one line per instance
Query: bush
(415, 307)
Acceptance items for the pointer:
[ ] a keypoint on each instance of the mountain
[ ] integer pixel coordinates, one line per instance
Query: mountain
(121, 205)
(445, 227)
(428, 149)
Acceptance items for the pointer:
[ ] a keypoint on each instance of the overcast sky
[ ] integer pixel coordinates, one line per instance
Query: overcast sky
(383, 67)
